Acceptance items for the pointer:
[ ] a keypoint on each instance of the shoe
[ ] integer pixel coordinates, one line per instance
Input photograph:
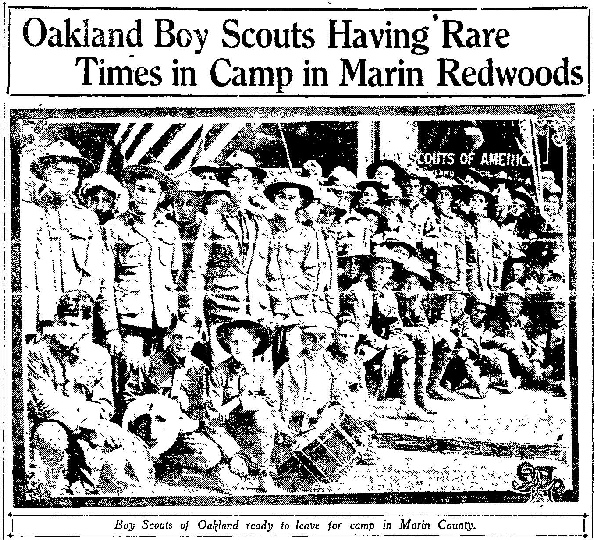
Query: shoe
(439, 393)
(414, 413)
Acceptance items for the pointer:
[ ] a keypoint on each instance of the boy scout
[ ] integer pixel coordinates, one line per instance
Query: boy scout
(69, 252)
(75, 446)
(147, 252)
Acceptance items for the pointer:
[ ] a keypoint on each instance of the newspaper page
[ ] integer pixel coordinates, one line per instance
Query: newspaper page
(296, 271)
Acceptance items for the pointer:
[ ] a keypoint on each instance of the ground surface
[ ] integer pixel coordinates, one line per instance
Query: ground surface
(469, 445)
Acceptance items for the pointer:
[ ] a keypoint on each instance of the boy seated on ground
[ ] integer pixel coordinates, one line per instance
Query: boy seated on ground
(244, 399)
(179, 430)
(76, 448)
(306, 381)
(349, 372)
(459, 354)
(506, 343)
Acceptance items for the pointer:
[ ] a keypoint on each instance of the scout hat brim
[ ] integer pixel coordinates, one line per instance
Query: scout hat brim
(376, 184)
(104, 181)
(399, 172)
(62, 151)
(306, 191)
(258, 173)
(134, 171)
(255, 329)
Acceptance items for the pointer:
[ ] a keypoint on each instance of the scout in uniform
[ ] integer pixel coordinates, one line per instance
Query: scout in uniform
(104, 195)
(188, 199)
(447, 240)
(506, 342)
(147, 252)
(483, 242)
(373, 306)
(70, 253)
(245, 397)
(70, 398)
(177, 374)
(226, 280)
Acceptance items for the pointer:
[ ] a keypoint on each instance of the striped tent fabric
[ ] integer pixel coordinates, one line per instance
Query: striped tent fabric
(175, 144)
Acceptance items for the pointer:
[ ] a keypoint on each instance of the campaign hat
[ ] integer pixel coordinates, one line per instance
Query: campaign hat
(242, 160)
(61, 150)
(152, 169)
(399, 172)
(291, 180)
(257, 330)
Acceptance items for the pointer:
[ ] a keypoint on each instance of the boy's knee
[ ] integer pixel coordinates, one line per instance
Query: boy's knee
(51, 435)
(206, 454)
(50, 443)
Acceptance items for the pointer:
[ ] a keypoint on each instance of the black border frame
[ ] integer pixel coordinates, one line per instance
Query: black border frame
(509, 496)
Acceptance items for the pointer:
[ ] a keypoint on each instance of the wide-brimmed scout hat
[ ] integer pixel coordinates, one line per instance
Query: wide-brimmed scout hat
(292, 180)
(480, 296)
(443, 184)
(75, 303)
(210, 166)
(399, 172)
(242, 160)
(523, 195)
(152, 169)
(258, 331)
(61, 151)
(472, 186)
(341, 179)
(376, 184)
(104, 180)
(319, 320)
(149, 406)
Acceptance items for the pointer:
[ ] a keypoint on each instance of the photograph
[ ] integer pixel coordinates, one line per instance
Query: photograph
(294, 305)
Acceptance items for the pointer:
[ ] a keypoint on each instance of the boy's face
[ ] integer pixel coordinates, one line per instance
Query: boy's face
(186, 206)
(155, 431)
(288, 200)
(240, 180)
(347, 337)
(518, 207)
(444, 200)
(478, 313)
(517, 271)
(513, 305)
(457, 305)
(69, 330)
(61, 177)
(381, 272)
(146, 195)
(384, 174)
(181, 344)
(478, 203)
(218, 203)
(242, 343)
(558, 312)
(412, 188)
(369, 196)
(102, 202)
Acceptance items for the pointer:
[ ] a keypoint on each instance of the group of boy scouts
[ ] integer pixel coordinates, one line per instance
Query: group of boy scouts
(207, 320)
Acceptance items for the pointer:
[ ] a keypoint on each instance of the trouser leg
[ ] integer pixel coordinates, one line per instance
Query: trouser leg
(424, 357)
(403, 350)
(442, 357)
(50, 456)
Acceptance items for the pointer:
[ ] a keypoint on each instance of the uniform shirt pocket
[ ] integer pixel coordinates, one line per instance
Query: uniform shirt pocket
(165, 248)
(81, 239)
